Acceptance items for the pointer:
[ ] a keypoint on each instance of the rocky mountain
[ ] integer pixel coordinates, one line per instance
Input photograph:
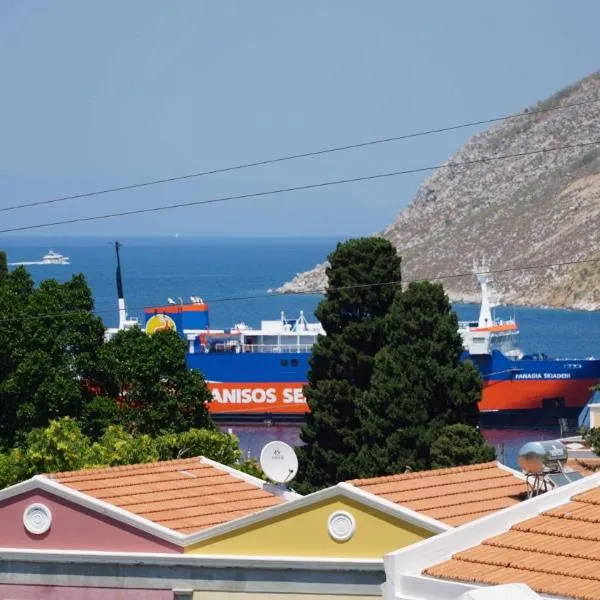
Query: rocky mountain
(535, 209)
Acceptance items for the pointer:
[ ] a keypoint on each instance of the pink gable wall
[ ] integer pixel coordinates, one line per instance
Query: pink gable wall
(73, 528)
(36, 592)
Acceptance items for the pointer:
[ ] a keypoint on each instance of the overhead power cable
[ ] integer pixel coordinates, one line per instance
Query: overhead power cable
(319, 292)
(291, 157)
(298, 188)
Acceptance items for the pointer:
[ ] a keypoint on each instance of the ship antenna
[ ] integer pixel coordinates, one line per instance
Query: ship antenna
(120, 295)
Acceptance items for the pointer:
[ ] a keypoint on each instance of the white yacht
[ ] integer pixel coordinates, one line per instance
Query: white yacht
(54, 258)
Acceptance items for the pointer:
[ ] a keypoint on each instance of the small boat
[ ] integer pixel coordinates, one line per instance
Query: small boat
(54, 258)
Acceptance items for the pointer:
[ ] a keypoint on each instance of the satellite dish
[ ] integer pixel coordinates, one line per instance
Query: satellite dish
(279, 462)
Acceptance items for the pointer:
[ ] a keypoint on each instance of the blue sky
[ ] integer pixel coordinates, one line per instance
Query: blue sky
(101, 94)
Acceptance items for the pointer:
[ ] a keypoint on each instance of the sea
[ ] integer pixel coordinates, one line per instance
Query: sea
(234, 275)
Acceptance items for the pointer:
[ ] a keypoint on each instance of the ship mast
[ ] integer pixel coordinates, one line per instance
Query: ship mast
(485, 312)
(120, 295)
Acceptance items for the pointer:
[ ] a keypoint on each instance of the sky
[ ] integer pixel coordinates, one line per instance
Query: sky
(104, 94)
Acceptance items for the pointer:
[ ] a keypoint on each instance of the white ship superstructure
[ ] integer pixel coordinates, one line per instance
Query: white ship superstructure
(488, 333)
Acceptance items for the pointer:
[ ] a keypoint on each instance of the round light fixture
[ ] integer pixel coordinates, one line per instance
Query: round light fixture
(37, 518)
(341, 526)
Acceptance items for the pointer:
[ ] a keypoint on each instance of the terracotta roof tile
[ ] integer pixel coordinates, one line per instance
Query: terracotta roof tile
(455, 495)
(556, 553)
(585, 466)
(185, 495)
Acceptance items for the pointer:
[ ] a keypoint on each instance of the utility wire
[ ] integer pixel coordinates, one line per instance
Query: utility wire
(290, 157)
(297, 188)
(319, 292)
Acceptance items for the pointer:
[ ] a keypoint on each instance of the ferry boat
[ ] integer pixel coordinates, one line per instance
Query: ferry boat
(54, 258)
(519, 388)
(258, 374)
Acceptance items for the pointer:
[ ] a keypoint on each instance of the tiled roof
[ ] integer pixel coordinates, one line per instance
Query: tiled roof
(585, 466)
(556, 553)
(184, 495)
(454, 496)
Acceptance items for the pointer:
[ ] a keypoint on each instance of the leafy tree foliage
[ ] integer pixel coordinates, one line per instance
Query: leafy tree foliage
(353, 315)
(386, 387)
(3, 264)
(148, 374)
(48, 346)
(420, 387)
(54, 363)
(459, 444)
(196, 442)
(118, 447)
(592, 437)
(62, 446)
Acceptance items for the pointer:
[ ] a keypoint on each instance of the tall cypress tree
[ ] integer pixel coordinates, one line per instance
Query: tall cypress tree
(3, 265)
(353, 316)
(420, 390)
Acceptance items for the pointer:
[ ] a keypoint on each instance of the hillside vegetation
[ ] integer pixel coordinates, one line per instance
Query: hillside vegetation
(539, 209)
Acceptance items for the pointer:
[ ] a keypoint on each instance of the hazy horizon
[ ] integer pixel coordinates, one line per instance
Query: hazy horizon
(100, 95)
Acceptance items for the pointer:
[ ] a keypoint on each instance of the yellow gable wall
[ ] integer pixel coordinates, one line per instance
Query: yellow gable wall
(304, 533)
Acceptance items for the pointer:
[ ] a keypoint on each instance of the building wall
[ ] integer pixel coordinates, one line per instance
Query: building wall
(73, 528)
(36, 592)
(276, 596)
(304, 532)
(216, 579)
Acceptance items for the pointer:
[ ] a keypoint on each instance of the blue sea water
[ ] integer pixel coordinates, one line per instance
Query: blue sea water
(233, 276)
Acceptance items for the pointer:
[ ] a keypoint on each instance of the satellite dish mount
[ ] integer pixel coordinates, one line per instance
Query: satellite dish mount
(279, 463)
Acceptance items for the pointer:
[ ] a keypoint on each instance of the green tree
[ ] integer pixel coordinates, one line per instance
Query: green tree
(118, 447)
(62, 446)
(156, 391)
(460, 444)
(49, 344)
(59, 447)
(215, 444)
(54, 363)
(3, 265)
(419, 387)
(353, 316)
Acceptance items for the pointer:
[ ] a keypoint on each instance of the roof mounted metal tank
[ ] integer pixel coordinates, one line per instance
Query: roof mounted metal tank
(543, 457)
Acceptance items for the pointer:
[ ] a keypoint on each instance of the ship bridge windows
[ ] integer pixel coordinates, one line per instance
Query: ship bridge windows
(284, 362)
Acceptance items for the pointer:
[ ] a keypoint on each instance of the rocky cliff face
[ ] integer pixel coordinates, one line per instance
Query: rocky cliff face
(538, 209)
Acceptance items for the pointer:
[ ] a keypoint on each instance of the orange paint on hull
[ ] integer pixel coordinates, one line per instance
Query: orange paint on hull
(257, 398)
(176, 308)
(287, 398)
(529, 395)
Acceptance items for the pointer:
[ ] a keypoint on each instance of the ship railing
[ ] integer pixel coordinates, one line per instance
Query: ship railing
(276, 348)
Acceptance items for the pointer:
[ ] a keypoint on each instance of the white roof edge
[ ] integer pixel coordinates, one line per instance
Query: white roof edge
(422, 587)
(209, 560)
(256, 517)
(422, 555)
(100, 506)
(259, 483)
(349, 491)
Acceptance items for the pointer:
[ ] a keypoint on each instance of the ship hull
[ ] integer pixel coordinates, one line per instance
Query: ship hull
(249, 387)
